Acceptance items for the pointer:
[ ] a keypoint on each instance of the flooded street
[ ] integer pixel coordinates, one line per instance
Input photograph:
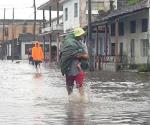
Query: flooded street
(28, 99)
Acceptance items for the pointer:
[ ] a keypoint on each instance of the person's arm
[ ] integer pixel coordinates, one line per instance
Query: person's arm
(83, 56)
(79, 66)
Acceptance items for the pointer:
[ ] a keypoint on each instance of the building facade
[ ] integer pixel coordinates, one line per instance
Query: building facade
(18, 27)
(119, 31)
(75, 12)
(53, 28)
(10, 31)
(127, 36)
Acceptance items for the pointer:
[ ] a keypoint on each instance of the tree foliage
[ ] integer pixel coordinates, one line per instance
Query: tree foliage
(132, 2)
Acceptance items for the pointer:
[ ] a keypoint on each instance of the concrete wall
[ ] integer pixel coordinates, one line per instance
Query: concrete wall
(126, 39)
(82, 18)
(72, 21)
(18, 28)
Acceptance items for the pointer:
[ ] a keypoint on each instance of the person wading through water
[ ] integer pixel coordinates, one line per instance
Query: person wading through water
(37, 54)
(30, 56)
(73, 53)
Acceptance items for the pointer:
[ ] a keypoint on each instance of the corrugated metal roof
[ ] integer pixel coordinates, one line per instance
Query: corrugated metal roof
(126, 10)
(53, 4)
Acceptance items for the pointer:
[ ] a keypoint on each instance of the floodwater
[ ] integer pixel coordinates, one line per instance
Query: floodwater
(29, 99)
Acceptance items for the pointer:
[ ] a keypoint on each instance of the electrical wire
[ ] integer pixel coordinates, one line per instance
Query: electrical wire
(27, 19)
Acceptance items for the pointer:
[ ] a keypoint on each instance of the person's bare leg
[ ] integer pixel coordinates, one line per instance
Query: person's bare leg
(69, 89)
(83, 97)
(69, 84)
(81, 91)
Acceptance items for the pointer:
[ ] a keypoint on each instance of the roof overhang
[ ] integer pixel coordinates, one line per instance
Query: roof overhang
(124, 12)
(111, 19)
(62, 1)
(99, 23)
(52, 4)
(127, 10)
(51, 32)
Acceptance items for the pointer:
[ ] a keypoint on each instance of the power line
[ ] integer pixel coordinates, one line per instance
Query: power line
(1, 8)
(34, 27)
(12, 45)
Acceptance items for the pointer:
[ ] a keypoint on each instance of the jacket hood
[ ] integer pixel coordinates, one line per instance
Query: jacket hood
(37, 43)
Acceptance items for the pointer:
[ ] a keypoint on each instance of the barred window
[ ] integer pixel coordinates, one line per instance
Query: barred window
(66, 14)
(6, 31)
(121, 28)
(144, 47)
(144, 25)
(75, 9)
(133, 26)
(113, 49)
(113, 29)
(132, 48)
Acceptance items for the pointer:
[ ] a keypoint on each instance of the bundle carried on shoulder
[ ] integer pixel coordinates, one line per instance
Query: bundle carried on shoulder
(69, 49)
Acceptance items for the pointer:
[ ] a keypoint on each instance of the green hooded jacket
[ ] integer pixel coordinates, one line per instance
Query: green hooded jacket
(69, 49)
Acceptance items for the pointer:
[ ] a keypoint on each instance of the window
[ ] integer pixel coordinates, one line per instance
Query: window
(144, 47)
(6, 31)
(121, 48)
(24, 27)
(133, 26)
(101, 46)
(113, 29)
(144, 25)
(121, 28)
(66, 14)
(132, 48)
(40, 29)
(75, 9)
(113, 49)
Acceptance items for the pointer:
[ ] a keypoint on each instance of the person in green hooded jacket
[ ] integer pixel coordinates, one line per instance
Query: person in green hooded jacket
(72, 53)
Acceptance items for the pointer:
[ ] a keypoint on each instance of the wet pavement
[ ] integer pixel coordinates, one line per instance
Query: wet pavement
(29, 99)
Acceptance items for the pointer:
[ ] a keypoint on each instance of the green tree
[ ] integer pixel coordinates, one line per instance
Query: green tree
(132, 2)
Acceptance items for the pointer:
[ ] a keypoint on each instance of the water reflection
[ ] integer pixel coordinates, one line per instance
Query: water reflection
(38, 75)
(75, 114)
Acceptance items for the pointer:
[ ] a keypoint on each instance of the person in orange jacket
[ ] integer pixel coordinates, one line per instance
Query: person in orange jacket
(37, 54)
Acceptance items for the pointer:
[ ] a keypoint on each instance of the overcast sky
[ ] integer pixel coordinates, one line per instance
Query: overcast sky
(23, 9)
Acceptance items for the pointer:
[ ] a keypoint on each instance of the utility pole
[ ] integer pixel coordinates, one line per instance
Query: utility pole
(148, 58)
(44, 36)
(12, 43)
(34, 27)
(50, 35)
(117, 58)
(57, 11)
(50, 16)
(3, 34)
(90, 42)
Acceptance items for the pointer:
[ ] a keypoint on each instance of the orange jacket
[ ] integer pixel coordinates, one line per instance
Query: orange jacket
(37, 52)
